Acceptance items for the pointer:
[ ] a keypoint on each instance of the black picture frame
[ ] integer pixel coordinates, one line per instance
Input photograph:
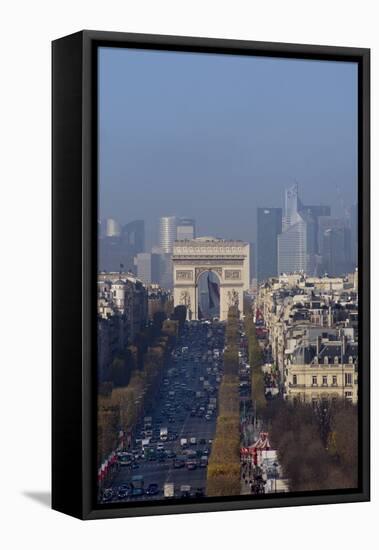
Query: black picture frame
(74, 206)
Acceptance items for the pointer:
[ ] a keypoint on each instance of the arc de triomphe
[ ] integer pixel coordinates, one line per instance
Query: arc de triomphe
(228, 259)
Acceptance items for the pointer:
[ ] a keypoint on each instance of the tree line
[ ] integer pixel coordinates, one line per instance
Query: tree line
(255, 361)
(135, 375)
(223, 473)
(310, 462)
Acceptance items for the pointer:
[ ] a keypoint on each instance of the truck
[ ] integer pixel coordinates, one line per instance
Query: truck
(168, 490)
(163, 434)
(193, 441)
(183, 442)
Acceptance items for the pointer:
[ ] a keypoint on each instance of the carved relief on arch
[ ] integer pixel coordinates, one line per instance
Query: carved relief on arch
(184, 275)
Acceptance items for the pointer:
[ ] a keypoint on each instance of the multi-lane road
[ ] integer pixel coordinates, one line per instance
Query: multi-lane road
(187, 407)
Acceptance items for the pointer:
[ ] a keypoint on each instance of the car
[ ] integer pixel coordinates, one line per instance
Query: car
(152, 489)
(123, 491)
(202, 441)
(170, 454)
(199, 492)
(108, 495)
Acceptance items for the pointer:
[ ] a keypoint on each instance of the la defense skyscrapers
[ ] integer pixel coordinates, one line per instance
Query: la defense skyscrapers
(290, 240)
(172, 228)
(297, 244)
(269, 226)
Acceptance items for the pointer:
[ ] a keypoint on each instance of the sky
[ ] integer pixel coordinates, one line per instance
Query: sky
(213, 137)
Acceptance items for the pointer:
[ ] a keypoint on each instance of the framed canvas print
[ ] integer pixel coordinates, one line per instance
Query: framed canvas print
(210, 275)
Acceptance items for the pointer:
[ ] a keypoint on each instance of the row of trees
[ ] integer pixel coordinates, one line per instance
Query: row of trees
(223, 473)
(255, 362)
(134, 379)
(296, 432)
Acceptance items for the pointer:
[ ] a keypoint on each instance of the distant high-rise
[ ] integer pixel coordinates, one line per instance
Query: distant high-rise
(133, 236)
(335, 246)
(269, 226)
(297, 244)
(148, 267)
(112, 228)
(167, 233)
(120, 245)
(185, 230)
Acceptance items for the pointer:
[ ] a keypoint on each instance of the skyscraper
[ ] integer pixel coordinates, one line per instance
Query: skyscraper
(148, 267)
(335, 246)
(269, 226)
(297, 244)
(185, 229)
(167, 233)
(121, 245)
(112, 228)
(133, 236)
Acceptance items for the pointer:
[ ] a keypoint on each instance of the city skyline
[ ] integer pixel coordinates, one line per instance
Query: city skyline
(297, 237)
(194, 141)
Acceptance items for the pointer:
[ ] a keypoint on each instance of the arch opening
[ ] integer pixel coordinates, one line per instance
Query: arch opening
(208, 295)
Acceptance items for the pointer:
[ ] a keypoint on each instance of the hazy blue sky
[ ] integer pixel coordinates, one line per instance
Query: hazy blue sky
(215, 136)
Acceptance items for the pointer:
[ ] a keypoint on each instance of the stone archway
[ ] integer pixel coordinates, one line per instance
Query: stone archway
(229, 259)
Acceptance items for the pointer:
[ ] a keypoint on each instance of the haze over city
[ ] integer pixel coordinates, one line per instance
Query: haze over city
(215, 137)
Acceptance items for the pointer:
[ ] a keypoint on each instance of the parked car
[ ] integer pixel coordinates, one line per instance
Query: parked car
(153, 489)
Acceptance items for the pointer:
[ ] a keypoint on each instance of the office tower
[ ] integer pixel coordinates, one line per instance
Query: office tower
(269, 226)
(335, 246)
(113, 228)
(317, 212)
(133, 236)
(148, 267)
(120, 245)
(185, 229)
(166, 275)
(110, 254)
(297, 244)
(167, 233)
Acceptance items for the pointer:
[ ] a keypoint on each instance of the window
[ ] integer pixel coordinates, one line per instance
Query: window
(348, 394)
(294, 379)
(314, 380)
(334, 380)
(348, 379)
(324, 380)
